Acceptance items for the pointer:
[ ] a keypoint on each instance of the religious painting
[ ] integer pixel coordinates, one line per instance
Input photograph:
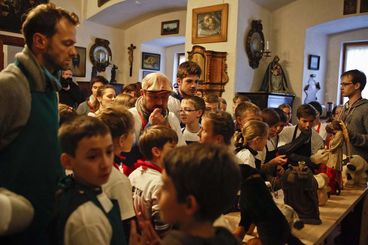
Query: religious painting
(170, 27)
(79, 62)
(151, 61)
(11, 12)
(350, 6)
(145, 73)
(209, 24)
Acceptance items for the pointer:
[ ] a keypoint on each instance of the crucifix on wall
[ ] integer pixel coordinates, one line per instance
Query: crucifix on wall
(130, 53)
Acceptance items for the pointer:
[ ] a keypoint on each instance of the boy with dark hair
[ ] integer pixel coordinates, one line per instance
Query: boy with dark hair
(194, 178)
(187, 78)
(191, 111)
(212, 102)
(83, 213)
(154, 143)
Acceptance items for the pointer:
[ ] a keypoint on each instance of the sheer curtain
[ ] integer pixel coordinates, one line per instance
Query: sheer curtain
(356, 57)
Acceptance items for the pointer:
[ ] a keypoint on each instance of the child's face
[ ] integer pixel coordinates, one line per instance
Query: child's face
(206, 134)
(128, 141)
(272, 131)
(170, 210)
(165, 149)
(93, 160)
(260, 143)
(213, 107)
(188, 113)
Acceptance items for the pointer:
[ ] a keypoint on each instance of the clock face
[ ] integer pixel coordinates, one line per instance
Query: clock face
(101, 54)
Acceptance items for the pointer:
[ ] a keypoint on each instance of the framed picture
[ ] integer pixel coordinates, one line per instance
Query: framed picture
(170, 27)
(313, 62)
(350, 6)
(209, 24)
(151, 61)
(79, 62)
(11, 13)
(145, 73)
(363, 6)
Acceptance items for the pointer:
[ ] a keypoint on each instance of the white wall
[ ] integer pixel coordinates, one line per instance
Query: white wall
(334, 58)
(289, 25)
(171, 64)
(144, 32)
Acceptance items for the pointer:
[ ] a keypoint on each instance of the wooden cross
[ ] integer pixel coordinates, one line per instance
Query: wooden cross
(130, 53)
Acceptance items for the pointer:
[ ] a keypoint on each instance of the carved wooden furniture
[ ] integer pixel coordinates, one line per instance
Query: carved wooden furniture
(214, 70)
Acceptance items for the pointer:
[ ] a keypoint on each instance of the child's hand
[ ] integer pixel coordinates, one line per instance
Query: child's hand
(279, 160)
(148, 235)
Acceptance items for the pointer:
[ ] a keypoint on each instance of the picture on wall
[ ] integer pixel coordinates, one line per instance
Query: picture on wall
(209, 24)
(145, 73)
(170, 27)
(151, 61)
(313, 62)
(79, 62)
(350, 6)
(11, 12)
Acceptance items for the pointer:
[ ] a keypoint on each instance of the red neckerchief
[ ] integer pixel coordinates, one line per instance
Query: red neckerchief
(145, 165)
(319, 127)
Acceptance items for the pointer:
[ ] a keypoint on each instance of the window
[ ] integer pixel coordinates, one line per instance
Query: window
(181, 58)
(355, 56)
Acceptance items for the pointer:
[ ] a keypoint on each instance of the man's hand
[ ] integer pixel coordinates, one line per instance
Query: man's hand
(156, 118)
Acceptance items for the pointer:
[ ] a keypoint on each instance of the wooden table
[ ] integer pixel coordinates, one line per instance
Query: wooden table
(336, 209)
(332, 214)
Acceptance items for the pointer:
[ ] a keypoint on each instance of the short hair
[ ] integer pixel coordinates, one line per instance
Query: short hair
(316, 106)
(66, 113)
(246, 106)
(222, 124)
(243, 98)
(306, 110)
(211, 98)
(156, 136)
(101, 90)
(282, 115)
(253, 129)
(198, 102)
(118, 118)
(356, 77)
(125, 100)
(100, 79)
(133, 87)
(188, 68)
(282, 106)
(270, 117)
(43, 19)
(72, 132)
(206, 171)
(222, 100)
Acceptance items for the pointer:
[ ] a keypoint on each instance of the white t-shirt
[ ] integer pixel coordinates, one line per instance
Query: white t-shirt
(190, 137)
(246, 157)
(118, 187)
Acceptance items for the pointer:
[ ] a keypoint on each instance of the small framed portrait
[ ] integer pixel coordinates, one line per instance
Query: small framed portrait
(313, 62)
(350, 6)
(210, 24)
(151, 61)
(79, 62)
(170, 27)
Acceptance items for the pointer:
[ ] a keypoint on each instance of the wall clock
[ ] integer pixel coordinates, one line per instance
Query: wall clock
(100, 54)
(255, 43)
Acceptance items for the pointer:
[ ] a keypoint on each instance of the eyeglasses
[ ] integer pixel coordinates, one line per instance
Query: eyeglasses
(345, 84)
(187, 110)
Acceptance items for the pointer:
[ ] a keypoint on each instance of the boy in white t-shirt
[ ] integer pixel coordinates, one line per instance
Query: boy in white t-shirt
(154, 144)
(191, 111)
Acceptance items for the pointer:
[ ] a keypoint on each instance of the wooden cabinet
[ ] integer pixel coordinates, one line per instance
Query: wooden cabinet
(214, 69)
(269, 100)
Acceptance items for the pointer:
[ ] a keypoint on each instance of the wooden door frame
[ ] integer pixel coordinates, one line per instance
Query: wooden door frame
(8, 40)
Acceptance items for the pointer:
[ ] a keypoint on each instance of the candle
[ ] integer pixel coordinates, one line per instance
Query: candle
(267, 45)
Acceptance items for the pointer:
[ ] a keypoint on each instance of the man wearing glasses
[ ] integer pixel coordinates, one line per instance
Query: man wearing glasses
(187, 79)
(354, 112)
